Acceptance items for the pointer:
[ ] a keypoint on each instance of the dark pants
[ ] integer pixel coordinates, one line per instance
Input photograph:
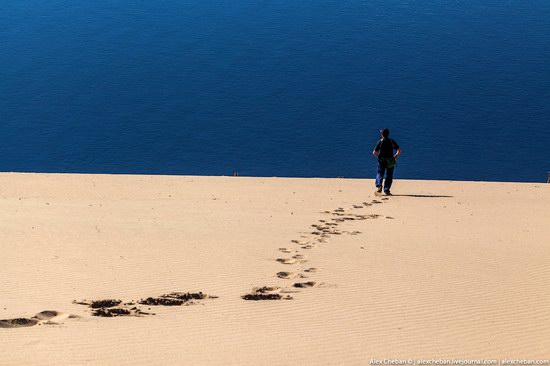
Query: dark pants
(382, 168)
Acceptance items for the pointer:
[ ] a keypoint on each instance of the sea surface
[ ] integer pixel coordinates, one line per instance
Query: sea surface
(276, 88)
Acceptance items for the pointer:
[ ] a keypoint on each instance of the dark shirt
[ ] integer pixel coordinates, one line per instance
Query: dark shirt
(386, 147)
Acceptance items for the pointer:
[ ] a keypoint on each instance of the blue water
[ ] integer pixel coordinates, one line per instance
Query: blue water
(276, 88)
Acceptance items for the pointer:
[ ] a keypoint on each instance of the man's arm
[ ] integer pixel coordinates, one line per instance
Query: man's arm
(397, 148)
(397, 154)
(376, 150)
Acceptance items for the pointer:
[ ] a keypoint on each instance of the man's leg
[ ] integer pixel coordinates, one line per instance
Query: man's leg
(389, 179)
(380, 174)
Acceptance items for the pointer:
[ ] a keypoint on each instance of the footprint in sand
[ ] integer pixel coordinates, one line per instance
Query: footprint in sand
(96, 304)
(267, 289)
(311, 270)
(349, 218)
(43, 317)
(266, 293)
(299, 242)
(186, 296)
(114, 312)
(289, 275)
(289, 260)
(305, 284)
(161, 301)
(18, 322)
(273, 290)
(53, 316)
(287, 250)
(176, 299)
(286, 260)
(311, 246)
(112, 308)
(257, 297)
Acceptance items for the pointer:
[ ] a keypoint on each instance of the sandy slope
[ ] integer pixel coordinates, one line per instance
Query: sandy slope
(459, 269)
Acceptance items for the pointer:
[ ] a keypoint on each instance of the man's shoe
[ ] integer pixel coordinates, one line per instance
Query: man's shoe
(388, 193)
(378, 191)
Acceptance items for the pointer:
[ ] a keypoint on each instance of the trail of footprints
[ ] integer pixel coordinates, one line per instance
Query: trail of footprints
(50, 317)
(110, 308)
(320, 234)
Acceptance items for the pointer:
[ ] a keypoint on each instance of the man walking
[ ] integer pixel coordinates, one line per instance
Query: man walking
(386, 161)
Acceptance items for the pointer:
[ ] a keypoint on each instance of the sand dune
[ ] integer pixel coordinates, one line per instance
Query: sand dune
(194, 270)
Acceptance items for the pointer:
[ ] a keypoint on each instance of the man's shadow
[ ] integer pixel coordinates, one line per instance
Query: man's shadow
(421, 195)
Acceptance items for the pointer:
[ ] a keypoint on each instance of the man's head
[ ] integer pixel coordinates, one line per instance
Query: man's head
(385, 132)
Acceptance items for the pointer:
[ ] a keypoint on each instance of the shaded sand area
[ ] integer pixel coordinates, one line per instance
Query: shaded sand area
(262, 271)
